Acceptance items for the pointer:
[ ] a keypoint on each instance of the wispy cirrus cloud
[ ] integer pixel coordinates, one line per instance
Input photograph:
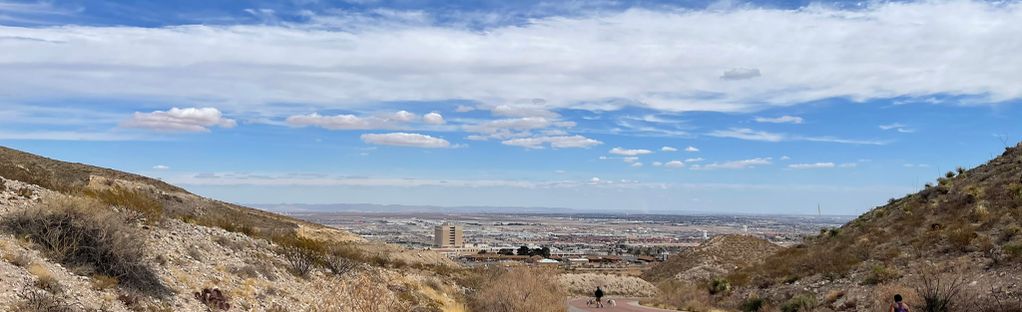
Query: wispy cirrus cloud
(764, 136)
(735, 164)
(897, 126)
(386, 121)
(781, 119)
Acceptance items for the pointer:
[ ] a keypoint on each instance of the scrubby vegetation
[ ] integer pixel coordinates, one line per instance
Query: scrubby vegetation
(514, 290)
(81, 233)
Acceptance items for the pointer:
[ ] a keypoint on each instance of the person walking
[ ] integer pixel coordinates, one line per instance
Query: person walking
(599, 297)
(898, 306)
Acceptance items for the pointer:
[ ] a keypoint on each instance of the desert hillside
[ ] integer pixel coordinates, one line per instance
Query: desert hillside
(718, 256)
(953, 246)
(79, 238)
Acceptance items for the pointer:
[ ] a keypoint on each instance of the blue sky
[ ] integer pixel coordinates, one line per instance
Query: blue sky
(619, 106)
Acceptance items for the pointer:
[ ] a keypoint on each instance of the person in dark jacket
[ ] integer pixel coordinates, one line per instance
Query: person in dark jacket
(599, 297)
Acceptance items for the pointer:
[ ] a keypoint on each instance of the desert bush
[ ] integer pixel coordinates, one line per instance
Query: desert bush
(518, 289)
(676, 294)
(150, 208)
(34, 300)
(1008, 233)
(939, 292)
(302, 254)
(1014, 251)
(79, 232)
(961, 237)
(880, 274)
(753, 304)
(800, 303)
(337, 264)
(718, 286)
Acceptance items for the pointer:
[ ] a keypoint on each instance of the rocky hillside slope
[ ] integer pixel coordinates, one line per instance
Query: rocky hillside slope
(961, 233)
(716, 257)
(80, 238)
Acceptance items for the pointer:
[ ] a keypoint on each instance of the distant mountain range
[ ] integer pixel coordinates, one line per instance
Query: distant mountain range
(409, 208)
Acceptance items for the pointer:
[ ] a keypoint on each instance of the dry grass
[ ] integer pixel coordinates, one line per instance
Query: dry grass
(613, 285)
(148, 207)
(516, 290)
(81, 233)
(21, 259)
(104, 282)
(44, 278)
(360, 293)
(679, 295)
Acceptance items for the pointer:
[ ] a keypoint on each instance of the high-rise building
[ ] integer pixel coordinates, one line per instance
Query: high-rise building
(448, 235)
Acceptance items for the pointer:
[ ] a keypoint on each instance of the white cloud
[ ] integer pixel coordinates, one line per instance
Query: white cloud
(782, 119)
(697, 159)
(402, 116)
(575, 141)
(785, 157)
(657, 164)
(674, 164)
(691, 149)
(405, 140)
(818, 165)
(161, 167)
(740, 74)
(668, 149)
(189, 119)
(748, 134)
(897, 127)
(737, 164)
(396, 120)
(754, 135)
(630, 159)
(357, 59)
(848, 165)
(629, 152)
(637, 164)
(523, 111)
(514, 127)
(464, 109)
(433, 118)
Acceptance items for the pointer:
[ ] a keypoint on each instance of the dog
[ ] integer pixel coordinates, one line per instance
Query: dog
(611, 302)
(590, 302)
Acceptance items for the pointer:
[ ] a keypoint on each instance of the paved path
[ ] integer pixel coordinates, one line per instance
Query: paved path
(623, 305)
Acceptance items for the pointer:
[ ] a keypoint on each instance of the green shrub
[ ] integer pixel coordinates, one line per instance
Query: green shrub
(81, 233)
(753, 304)
(1014, 251)
(800, 303)
(879, 275)
(719, 286)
